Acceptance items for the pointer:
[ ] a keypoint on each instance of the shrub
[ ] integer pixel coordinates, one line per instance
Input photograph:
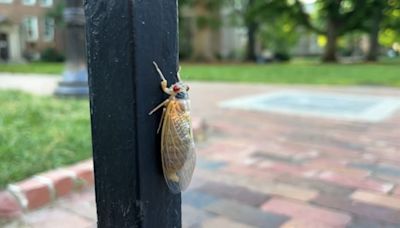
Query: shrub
(51, 55)
(281, 57)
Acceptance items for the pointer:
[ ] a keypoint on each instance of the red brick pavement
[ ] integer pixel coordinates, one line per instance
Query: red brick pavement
(273, 170)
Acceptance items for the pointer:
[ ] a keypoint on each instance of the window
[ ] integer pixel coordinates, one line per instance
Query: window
(29, 2)
(31, 28)
(46, 3)
(48, 31)
(6, 1)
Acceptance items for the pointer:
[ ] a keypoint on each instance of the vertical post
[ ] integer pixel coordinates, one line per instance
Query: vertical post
(123, 38)
(75, 78)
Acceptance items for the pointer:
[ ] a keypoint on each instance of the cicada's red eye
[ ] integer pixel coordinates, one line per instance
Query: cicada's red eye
(176, 88)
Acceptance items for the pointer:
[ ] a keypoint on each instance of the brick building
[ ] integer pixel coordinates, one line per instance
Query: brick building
(26, 29)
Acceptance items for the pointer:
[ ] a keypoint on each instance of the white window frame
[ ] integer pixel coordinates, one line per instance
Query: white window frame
(29, 2)
(34, 36)
(48, 36)
(46, 3)
(6, 1)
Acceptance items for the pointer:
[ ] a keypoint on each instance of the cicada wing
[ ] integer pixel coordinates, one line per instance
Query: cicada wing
(177, 146)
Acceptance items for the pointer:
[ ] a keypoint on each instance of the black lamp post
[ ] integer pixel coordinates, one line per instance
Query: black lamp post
(75, 80)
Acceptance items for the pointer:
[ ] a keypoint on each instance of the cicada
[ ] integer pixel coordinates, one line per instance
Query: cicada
(177, 142)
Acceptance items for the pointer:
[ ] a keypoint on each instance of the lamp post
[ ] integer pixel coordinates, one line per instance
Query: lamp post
(75, 80)
(123, 39)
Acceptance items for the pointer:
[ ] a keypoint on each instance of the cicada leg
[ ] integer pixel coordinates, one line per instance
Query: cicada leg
(159, 106)
(159, 71)
(162, 120)
(178, 74)
(164, 83)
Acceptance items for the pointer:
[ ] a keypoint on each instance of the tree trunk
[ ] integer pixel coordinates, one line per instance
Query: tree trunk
(251, 42)
(202, 40)
(203, 46)
(331, 46)
(373, 51)
(251, 35)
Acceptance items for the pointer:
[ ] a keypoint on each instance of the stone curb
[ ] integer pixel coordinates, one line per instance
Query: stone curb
(44, 188)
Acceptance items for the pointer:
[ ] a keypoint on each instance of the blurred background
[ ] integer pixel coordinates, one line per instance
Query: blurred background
(296, 112)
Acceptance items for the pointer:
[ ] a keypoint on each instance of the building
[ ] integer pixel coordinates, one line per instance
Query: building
(25, 29)
(227, 38)
(205, 42)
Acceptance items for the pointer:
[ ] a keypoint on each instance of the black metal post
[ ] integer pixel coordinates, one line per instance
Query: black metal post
(75, 78)
(123, 38)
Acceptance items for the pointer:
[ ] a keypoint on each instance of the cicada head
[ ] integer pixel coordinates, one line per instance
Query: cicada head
(180, 90)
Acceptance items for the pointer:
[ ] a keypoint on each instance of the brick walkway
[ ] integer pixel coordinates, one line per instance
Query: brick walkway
(272, 170)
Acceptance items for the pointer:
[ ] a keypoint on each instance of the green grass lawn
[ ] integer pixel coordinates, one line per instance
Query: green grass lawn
(33, 68)
(299, 71)
(40, 133)
(386, 73)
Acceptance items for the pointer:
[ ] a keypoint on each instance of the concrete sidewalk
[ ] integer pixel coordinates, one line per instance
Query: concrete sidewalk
(264, 169)
(33, 83)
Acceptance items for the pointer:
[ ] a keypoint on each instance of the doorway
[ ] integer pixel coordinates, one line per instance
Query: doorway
(4, 55)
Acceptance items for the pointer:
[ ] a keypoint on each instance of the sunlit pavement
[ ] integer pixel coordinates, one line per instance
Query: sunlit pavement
(261, 169)
(32, 83)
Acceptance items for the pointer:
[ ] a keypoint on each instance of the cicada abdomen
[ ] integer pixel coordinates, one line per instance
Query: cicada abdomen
(177, 145)
(177, 142)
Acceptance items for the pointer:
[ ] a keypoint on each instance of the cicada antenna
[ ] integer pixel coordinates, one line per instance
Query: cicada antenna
(159, 71)
(178, 74)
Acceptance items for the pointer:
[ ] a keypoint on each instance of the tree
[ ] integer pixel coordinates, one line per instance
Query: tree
(57, 13)
(242, 14)
(385, 16)
(334, 19)
(271, 22)
(280, 35)
(206, 14)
